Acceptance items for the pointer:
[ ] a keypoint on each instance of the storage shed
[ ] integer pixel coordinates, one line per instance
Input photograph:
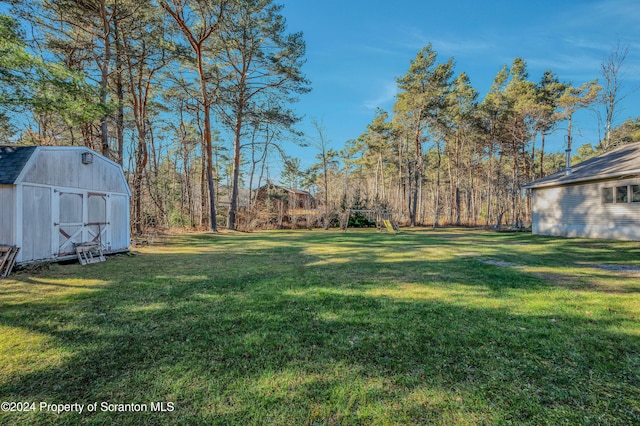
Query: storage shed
(598, 198)
(52, 198)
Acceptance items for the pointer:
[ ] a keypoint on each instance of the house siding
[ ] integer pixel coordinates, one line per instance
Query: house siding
(578, 211)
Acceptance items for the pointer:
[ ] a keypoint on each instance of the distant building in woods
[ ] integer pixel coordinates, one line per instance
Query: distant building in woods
(52, 198)
(289, 199)
(598, 198)
(224, 198)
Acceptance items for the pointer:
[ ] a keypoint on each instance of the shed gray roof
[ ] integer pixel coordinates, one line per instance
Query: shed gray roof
(622, 161)
(12, 161)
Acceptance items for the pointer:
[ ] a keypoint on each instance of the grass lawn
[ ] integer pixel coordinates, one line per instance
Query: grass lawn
(315, 327)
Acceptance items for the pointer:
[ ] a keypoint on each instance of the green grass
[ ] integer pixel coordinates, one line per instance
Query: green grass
(313, 327)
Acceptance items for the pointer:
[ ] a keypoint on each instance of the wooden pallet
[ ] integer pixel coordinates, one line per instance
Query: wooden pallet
(8, 256)
(89, 253)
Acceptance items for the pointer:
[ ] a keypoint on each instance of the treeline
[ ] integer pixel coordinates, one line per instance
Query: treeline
(152, 85)
(194, 98)
(444, 156)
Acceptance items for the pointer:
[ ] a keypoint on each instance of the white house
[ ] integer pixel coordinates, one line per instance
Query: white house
(54, 197)
(598, 198)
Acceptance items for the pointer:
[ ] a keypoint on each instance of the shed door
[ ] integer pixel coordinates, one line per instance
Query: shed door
(83, 219)
(96, 230)
(70, 227)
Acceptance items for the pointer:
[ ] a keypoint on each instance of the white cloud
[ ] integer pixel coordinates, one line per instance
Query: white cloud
(385, 94)
(616, 10)
(454, 47)
(573, 62)
(413, 38)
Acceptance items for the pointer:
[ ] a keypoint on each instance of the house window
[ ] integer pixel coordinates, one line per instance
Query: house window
(622, 194)
(635, 193)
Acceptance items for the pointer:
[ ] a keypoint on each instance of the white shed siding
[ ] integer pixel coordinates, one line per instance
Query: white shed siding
(36, 223)
(57, 201)
(101, 175)
(7, 215)
(578, 211)
(120, 238)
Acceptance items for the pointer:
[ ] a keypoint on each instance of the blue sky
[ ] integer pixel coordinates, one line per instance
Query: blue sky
(356, 49)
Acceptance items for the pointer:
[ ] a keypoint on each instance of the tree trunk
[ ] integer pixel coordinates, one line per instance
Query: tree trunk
(437, 200)
(452, 191)
(489, 186)
(104, 78)
(141, 164)
(417, 176)
(207, 141)
(119, 93)
(235, 174)
(542, 136)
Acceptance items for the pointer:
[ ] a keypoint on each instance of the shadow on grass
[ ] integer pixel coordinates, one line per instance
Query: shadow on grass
(282, 336)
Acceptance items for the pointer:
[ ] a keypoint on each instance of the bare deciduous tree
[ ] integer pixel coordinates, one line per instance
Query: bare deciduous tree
(611, 72)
